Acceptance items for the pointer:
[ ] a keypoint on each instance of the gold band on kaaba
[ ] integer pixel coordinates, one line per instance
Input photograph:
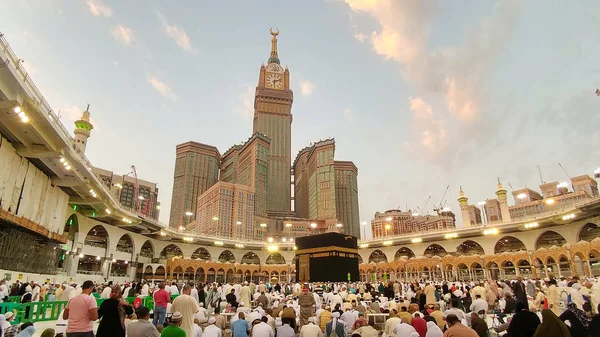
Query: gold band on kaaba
(327, 249)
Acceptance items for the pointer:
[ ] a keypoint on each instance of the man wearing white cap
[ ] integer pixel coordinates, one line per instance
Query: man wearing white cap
(211, 330)
(174, 330)
(311, 329)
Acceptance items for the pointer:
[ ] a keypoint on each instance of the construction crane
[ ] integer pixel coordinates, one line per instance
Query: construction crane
(440, 208)
(540, 172)
(422, 210)
(511, 188)
(568, 176)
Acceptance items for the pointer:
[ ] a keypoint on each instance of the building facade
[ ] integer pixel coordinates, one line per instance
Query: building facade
(137, 195)
(393, 223)
(346, 196)
(196, 170)
(225, 210)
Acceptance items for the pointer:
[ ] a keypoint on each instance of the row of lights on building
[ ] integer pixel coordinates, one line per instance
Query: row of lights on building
(93, 193)
(568, 217)
(126, 220)
(98, 258)
(21, 114)
(531, 225)
(65, 163)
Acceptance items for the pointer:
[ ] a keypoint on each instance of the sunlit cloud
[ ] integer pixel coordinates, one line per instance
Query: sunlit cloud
(177, 34)
(123, 34)
(162, 88)
(307, 88)
(245, 103)
(97, 8)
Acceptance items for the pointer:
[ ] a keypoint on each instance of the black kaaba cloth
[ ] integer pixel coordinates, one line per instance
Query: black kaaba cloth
(327, 257)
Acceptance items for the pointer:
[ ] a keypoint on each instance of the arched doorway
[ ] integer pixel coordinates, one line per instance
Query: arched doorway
(226, 256)
(148, 274)
(97, 237)
(549, 239)
(463, 272)
(377, 256)
(594, 262)
(189, 274)
(509, 270)
(251, 258)
(469, 247)
(477, 271)
(552, 267)
(170, 252)
(435, 250)
(200, 275)
(211, 275)
(525, 269)
(589, 232)
(275, 258)
(509, 244)
(494, 271)
(125, 244)
(565, 266)
(71, 227)
(178, 274)
(201, 254)
(405, 253)
(147, 250)
(159, 274)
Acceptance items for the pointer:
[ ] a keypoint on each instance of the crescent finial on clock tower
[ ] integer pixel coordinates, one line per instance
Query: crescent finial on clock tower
(274, 57)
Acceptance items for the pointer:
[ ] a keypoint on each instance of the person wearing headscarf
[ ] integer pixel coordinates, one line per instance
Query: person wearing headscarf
(112, 313)
(405, 330)
(366, 331)
(576, 296)
(551, 326)
(579, 323)
(433, 330)
(3, 324)
(595, 324)
(419, 324)
(335, 325)
(27, 332)
(49, 332)
(524, 323)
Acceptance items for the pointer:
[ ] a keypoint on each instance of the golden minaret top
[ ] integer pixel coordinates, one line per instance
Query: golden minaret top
(274, 57)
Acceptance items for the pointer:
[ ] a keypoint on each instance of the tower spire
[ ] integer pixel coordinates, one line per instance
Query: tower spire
(274, 58)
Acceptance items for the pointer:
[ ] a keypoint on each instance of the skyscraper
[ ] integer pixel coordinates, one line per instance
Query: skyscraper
(346, 196)
(273, 118)
(196, 170)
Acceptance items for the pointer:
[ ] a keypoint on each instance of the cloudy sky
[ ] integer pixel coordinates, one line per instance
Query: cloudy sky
(419, 94)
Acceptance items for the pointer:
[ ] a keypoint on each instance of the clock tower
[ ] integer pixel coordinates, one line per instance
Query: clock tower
(273, 118)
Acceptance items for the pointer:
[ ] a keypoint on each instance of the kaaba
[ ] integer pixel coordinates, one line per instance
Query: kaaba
(328, 257)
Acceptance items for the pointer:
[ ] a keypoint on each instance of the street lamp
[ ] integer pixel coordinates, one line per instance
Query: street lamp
(482, 205)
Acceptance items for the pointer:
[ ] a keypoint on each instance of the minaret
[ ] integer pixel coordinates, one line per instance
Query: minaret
(503, 200)
(83, 127)
(464, 209)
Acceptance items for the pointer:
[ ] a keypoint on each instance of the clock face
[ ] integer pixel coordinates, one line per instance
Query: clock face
(274, 81)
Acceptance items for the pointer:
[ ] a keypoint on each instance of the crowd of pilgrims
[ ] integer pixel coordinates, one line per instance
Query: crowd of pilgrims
(515, 308)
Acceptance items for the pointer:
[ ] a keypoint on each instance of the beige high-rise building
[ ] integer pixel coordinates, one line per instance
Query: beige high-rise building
(196, 170)
(226, 210)
(229, 165)
(314, 186)
(392, 223)
(273, 118)
(253, 170)
(346, 196)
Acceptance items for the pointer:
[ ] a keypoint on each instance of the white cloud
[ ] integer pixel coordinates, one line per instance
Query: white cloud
(429, 137)
(177, 34)
(245, 104)
(307, 87)
(349, 115)
(360, 37)
(115, 63)
(457, 74)
(97, 8)
(163, 89)
(123, 34)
